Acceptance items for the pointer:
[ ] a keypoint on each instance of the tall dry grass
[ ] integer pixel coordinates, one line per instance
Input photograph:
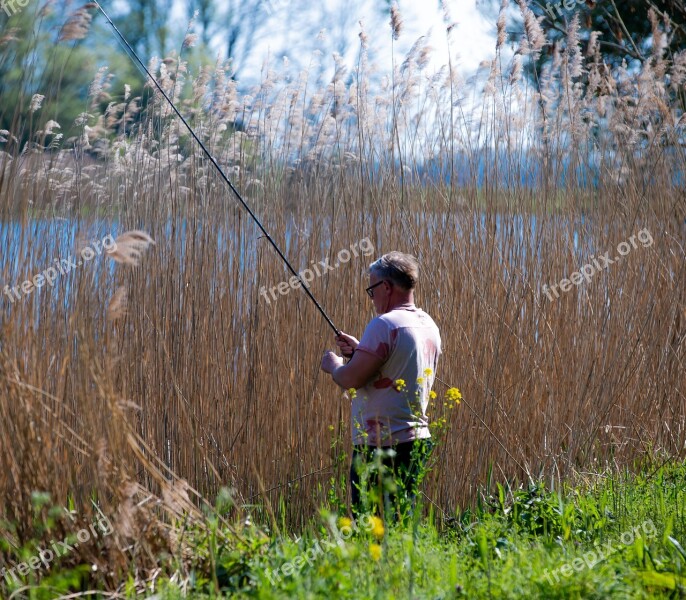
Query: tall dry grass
(499, 186)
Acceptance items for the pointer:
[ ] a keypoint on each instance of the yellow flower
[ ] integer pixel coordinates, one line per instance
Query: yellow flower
(344, 522)
(420, 380)
(352, 392)
(453, 395)
(331, 427)
(375, 551)
(428, 372)
(432, 395)
(400, 383)
(377, 527)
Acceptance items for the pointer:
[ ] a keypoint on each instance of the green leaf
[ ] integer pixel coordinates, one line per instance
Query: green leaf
(661, 580)
(677, 545)
(501, 496)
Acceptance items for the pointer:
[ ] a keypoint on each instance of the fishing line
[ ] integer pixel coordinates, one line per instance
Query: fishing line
(139, 62)
(141, 66)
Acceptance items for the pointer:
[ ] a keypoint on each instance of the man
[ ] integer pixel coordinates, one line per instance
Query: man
(390, 375)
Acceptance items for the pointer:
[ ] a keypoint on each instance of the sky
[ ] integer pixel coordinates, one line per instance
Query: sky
(472, 39)
(292, 29)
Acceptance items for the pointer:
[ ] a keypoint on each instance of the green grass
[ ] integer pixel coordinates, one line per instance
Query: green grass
(612, 536)
(530, 544)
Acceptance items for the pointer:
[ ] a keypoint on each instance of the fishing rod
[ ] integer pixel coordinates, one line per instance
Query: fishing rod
(132, 53)
(223, 175)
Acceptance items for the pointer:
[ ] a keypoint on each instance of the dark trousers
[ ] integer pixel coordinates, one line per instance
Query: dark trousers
(398, 481)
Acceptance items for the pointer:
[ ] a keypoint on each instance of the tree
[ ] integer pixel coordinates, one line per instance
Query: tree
(146, 26)
(45, 53)
(624, 26)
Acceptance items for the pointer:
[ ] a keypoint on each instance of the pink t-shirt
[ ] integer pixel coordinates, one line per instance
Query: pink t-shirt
(385, 412)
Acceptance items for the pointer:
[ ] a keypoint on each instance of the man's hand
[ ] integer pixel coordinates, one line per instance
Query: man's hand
(330, 362)
(347, 344)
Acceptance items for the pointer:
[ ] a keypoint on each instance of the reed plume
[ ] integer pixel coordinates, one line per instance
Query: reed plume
(129, 247)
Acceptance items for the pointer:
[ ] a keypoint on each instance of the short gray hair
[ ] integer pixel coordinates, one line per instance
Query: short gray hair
(401, 269)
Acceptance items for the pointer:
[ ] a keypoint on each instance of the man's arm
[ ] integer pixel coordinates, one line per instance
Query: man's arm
(361, 368)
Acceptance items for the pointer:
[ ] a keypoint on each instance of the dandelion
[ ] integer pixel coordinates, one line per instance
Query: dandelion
(432, 395)
(344, 522)
(352, 392)
(375, 552)
(331, 427)
(377, 528)
(420, 380)
(399, 384)
(428, 372)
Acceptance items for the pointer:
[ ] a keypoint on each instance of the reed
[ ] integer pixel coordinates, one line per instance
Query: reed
(165, 376)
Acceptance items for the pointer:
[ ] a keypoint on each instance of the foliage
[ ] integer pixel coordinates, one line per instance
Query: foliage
(502, 550)
(142, 410)
(626, 29)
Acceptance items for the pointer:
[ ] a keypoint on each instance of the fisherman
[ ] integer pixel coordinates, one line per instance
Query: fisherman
(389, 376)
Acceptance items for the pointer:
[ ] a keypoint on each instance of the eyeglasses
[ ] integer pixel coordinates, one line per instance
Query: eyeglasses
(370, 289)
